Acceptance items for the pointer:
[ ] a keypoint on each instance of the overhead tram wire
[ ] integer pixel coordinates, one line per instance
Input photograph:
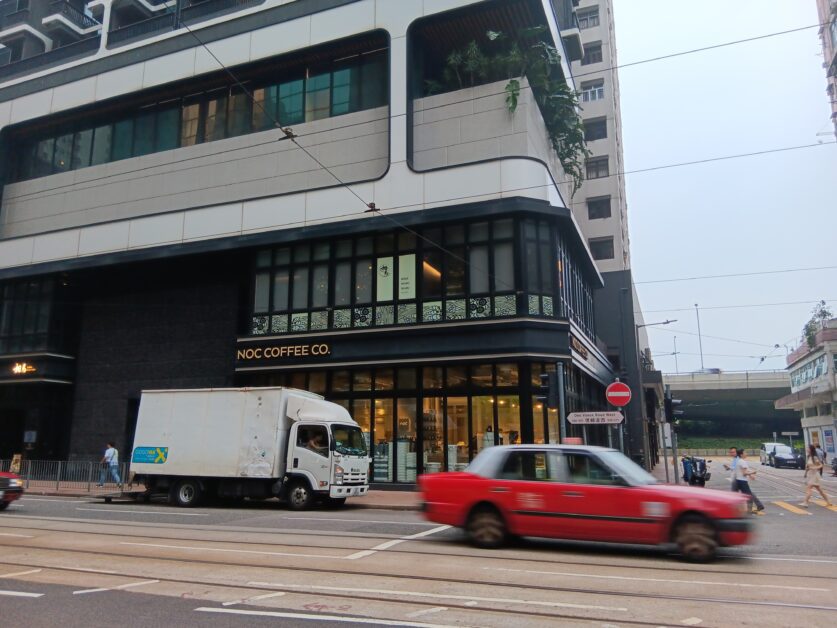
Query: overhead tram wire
(691, 333)
(702, 49)
(749, 274)
(732, 307)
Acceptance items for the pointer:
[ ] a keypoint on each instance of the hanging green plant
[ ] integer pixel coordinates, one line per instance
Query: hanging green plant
(511, 58)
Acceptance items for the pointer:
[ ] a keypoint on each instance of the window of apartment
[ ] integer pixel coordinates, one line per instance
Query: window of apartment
(592, 53)
(596, 168)
(595, 129)
(588, 18)
(25, 313)
(598, 207)
(335, 88)
(592, 91)
(601, 248)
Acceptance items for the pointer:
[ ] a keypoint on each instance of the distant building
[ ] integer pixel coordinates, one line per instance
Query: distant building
(827, 11)
(813, 379)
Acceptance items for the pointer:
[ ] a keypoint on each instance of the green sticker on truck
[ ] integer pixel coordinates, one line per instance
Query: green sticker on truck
(150, 455)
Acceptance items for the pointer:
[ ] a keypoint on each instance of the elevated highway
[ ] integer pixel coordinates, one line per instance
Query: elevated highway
(734, 396)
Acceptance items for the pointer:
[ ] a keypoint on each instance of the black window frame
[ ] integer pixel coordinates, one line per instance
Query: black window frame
(592, 53)
(599, 208)
(600, 253)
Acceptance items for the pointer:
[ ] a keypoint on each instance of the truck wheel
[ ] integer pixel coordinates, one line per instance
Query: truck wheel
(486, 528)
(300, 496)
(695, 538)
(185, 493)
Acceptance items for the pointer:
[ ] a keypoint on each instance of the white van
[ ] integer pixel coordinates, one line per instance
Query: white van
(766, 450)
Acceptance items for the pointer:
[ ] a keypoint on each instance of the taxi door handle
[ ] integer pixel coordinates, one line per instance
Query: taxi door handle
(573, 494)
(498, 490)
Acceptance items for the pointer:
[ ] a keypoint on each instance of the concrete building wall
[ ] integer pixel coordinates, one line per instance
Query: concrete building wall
(354, 146)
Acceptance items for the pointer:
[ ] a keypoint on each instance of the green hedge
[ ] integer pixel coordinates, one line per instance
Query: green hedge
(725, 442)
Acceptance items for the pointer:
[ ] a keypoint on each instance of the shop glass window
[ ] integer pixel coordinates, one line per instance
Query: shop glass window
(507, 375)
(482, 417)
(432, 377)
(362, 380)
(341, 381)
(432, 273)
(363, 281)
(281, 289)
(262, 295)
(508, 420)
(383, 452)
(361, 411)
(384, 379)
(433, 430)
(320, 286)
(456, 415)
(503, 267)
(343, 283)
(406, 443)
(478, 269)
(317, 382)
(407, 379)
(300, 288)
(457, 376)
(482, 375)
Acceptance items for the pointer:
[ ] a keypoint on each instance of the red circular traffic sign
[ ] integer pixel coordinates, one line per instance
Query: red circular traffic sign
(618, 394)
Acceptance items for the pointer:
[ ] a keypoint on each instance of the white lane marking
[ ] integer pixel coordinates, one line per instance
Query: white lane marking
(63, 501)
(395, 523)
(116, 588)
(247, 600)
(665, 580)
(429, 611)
(691, 621)
(231, 551)
(446, 596)
(145, 512)
(322, 618)
(794, 560)
(393, 543)
(471, 603)
(20, 594)
(20, 573)
(20, 536)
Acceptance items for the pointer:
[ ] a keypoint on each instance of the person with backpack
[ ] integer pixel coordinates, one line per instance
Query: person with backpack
(111, 462)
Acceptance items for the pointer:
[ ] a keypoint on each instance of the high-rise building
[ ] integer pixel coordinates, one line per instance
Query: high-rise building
(827, 12)
(325, 194)
(601, 209)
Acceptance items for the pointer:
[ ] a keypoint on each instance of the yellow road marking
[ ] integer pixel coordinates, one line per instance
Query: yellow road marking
(793, 509)
(820, 502)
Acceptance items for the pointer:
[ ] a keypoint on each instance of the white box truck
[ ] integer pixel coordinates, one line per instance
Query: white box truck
(248, 442)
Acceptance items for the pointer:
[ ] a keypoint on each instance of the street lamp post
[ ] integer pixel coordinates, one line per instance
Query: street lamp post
(645, 439)
(700, 340)
(676, 368)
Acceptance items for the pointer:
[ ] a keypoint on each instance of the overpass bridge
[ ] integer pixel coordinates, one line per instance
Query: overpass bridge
(734, 397)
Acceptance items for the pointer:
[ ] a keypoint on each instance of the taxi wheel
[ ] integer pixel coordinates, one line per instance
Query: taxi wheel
(486, 528)
(695, 538)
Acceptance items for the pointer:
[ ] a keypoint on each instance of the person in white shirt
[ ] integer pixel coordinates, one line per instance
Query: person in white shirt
(111, 462)
(743, 475)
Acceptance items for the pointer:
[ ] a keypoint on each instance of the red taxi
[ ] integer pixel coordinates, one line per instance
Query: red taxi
(11, 488)
(581, 493)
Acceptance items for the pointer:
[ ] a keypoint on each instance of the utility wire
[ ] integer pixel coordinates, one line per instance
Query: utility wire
(752, 274)
(691, 333)
(703, 49)
(731, 307)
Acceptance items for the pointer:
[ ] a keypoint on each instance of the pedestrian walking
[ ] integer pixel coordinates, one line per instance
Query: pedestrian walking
(733, 452)
(821, 456)
(813, 469)
(111, 462)
(743, 475)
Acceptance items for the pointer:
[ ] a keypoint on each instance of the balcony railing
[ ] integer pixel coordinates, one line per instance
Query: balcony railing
(62, 7)
(153, 25)
(13, 19)
(53, 57)
(202, 10)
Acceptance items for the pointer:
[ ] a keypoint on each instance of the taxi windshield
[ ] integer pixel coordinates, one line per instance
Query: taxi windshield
(348, 440)
(628, 470)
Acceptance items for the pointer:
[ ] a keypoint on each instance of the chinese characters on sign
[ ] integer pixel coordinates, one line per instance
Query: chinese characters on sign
(595, 418)
(22, 368)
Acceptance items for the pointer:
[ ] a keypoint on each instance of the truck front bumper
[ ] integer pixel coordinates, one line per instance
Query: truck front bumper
(338, 491)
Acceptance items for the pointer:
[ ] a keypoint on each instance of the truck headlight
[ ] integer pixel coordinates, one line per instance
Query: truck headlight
(15, 483)
(338, 474)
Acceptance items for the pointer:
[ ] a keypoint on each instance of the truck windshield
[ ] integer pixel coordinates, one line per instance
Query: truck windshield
(348, 440)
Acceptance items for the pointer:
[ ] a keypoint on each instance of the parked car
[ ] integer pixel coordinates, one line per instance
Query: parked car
(11, 488)
(784, 456)
(581, 493)
(765, 451)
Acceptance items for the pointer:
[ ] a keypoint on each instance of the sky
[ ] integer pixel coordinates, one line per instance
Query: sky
(762, 213)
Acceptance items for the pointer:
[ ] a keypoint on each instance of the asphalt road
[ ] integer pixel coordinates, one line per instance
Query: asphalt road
(81, 562)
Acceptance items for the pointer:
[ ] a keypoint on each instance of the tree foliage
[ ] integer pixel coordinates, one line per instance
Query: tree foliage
(819, 315)
(529, 54)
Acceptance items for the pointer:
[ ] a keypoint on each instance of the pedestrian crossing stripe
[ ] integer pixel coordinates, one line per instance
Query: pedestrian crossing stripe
(793, 509)
(820, 502)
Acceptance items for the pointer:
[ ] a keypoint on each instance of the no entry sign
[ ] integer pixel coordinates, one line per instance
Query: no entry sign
(618, 394)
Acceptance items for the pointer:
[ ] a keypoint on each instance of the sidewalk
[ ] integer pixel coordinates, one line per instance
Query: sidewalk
(385, 500)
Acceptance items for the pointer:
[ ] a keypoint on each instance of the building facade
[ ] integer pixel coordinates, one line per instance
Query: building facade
(827, 12)
(270, 193)
(601, 209)
(813, 380)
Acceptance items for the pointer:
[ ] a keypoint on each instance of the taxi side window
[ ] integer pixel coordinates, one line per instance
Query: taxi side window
(583, 469)
(532, 466)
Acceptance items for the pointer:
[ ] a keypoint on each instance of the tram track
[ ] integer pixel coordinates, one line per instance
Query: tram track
(737, 602)
(673, 566)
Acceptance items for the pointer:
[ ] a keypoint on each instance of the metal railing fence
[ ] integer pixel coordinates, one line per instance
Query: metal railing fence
(66, 474)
